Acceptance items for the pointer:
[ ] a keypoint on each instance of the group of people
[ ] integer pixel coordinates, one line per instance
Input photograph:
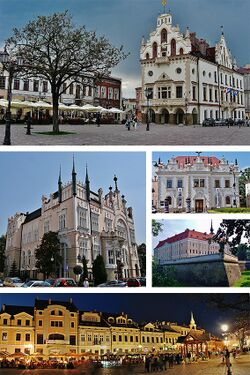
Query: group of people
(131, 123)
(162, 362)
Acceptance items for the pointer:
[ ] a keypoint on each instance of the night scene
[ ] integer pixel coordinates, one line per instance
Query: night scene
(125, 333)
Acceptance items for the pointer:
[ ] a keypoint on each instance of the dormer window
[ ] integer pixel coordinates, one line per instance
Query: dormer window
(111, 319)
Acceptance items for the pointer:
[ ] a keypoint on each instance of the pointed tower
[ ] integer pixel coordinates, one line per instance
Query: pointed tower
(60, 187)
(192, 324)
(73, 178)
(116, 186)
(211, 228)
(87, 185)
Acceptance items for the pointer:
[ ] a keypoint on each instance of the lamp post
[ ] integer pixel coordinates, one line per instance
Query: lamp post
(11, 66)
(232, 169)
(148, 94)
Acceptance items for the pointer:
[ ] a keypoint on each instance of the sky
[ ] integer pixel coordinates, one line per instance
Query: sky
(142, 307)
(243, 158)
(29, 175)
(124, 22)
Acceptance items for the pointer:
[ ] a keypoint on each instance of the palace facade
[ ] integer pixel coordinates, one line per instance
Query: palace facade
(88, 224)
(196, 184)
(55, 328)
(187, 244)
(186, 79)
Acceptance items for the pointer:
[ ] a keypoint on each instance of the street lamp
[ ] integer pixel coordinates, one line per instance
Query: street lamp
(11, 66)
(232, 169)
(148, 94)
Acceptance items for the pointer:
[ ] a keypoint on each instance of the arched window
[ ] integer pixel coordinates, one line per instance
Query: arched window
(164, 35)
(173, 47)
(228, 200)
(154, 50)
(147, 56)
(181, 51)
(53, 312)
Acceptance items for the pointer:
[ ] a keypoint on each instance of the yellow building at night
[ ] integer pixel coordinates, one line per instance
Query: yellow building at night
(53, 328)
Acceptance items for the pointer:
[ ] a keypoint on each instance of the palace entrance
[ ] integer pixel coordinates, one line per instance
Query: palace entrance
(199, 205)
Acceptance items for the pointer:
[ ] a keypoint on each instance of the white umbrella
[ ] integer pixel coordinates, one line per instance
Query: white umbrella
(63, 106)
(89, 108)
(74, 107)
(3, 103)
(41, 104)
(115, 110)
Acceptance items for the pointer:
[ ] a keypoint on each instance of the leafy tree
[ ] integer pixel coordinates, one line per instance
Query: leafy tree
(162, 277)
(52, 48)
(232, 232)
(2, 252)
(242, 250)
(142, 258)
(49, 249)
(99, 271)
(14, 270)
(156, 228)
(244, 177)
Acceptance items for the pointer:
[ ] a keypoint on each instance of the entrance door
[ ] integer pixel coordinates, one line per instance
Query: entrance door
(199, 207)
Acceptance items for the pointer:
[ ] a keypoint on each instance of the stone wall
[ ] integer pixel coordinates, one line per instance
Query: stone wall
(208, 270)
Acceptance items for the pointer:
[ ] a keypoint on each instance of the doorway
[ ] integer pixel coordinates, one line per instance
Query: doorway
(199, 205)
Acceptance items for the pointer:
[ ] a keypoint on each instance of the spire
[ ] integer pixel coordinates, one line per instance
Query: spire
(73, 178)
(116, 186)
(187, 34)
(164, 4)
(222, 30)
(211, 228)
(60, 187)
(192, 324)
(87, 184)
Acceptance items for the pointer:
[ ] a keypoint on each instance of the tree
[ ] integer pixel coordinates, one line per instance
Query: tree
(14, 271)
(52, 48)
(99, 271)
(232, 232)
(142, 258)
(2, 252)
(244, 177)
(48, 254)
(156, 228)
(162, 277)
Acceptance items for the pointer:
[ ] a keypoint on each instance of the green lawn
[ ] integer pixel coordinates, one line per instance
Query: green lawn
(244, 281)
(234, 210)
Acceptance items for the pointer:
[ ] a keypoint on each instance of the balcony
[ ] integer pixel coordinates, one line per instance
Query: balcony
(57, 342)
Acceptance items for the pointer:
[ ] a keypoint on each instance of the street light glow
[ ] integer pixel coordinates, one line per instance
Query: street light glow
(224, 327)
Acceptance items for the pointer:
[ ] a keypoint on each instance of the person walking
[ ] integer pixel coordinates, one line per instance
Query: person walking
(227, 361)
(98, 119)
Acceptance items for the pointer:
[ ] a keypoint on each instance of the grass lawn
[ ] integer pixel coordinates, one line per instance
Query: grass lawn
(244, 281)
(239, 210)
(53, 133)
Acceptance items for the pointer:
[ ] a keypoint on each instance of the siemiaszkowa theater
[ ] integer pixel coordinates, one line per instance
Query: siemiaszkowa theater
(52, 328)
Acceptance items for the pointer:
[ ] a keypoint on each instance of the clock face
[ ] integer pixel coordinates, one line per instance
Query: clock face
(150, 73)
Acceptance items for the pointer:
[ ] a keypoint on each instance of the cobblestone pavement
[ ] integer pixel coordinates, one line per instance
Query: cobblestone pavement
(119, 135)
(240, 366)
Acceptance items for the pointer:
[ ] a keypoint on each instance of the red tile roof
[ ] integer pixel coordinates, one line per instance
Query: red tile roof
(186, 234)
(183, 160)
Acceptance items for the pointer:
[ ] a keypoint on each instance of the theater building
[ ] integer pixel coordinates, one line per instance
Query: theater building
(88, 224)
(197, 184)
(52, 328)
(187, 244)
(188, 80)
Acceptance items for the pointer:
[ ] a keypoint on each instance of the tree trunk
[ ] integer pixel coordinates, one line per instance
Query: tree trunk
(55, 99)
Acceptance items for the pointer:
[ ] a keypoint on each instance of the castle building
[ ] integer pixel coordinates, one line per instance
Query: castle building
(186, 79)
(196, 184)
(53, 328)
(187, 244)
(88, 224)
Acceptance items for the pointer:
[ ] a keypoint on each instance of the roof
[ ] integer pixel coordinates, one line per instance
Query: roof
(43, 304)
(13, 310)
(186, 234)
(244, 70)
(184, 160)
(33, 215)
(200, 337)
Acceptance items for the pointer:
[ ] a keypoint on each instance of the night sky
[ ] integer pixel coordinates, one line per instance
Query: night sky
(141, 307)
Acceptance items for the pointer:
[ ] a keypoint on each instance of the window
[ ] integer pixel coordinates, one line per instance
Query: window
(110, 93)
(78, 91)
(216, 95)
(46, 226)
(45, 86)
(4, 336)
(71, 89)
(27, 322)
(169, 184)
(202, 183)
(82, 338)
(164, 92)
(26, 85)
(204, 73)
(227, 183)
(72, 340)
(35, 85)
(27, 337)
(131, 339)
(62, 221)
(204, 93)
(95, 222)
(5, 322)
(116, 94)
(196, 183)
(179, 92)
(83, 218)
(178, 70)
(18, 337)
(228, 200)
(181, 51)
(221, 78)
(210, 95)
(109, 224)
(83, 247)
(194, 93)
(72, 324)
(40, 323)
(164, 35)
(120, 338)
(179, 183)
(16, 84)
(19, 322)
(217, 183)
(173, 47)
(215, 77)
(2, 82)
(154, 50)
(114, 337)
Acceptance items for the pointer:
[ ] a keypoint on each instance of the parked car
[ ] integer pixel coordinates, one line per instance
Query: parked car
(142, 281)
(229, 122)
(208, 122)
(133, 282)
(64, 281)
(113, 283)
(50, 281)
(36, 283)
(220, 122)
(12, 282)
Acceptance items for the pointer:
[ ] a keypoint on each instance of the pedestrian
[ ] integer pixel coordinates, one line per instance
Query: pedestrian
(98, 119)
(28, 123)
(227, 361)
(189, 357)
(86, 283)
(135, 122)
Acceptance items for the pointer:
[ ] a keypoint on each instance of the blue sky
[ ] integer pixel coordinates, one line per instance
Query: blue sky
(29, 175)
(125, 21)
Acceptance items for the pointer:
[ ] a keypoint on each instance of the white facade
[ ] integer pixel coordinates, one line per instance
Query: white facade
(189, 80)
(197, 184)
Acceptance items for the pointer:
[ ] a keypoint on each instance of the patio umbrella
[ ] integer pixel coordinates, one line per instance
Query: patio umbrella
(17, 355)
(41, 104)
(3, 103)
(115, 110)
(90, 108)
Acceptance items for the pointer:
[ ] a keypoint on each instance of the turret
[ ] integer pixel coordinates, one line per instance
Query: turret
(192, 324)
(73, 179)
(116, 185)
(60, 187)
(87, 185)
(211, 228)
